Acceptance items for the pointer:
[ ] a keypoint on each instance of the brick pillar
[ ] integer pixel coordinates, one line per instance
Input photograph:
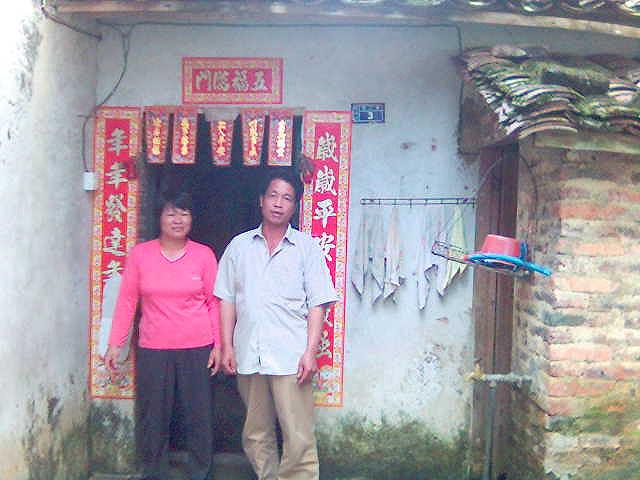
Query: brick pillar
(577, 333)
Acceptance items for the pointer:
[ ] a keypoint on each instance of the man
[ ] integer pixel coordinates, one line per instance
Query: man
(274, 287)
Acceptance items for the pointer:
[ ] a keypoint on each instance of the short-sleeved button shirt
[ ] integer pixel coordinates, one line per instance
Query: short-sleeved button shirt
(272, 295)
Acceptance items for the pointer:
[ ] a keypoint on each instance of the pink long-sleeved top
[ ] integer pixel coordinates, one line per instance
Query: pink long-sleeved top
(177, 302)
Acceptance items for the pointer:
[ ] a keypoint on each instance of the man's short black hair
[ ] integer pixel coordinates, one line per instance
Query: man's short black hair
(286, 175)
(181, 200)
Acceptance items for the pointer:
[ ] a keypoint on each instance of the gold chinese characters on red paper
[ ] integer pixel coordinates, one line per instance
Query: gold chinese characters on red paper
(115, 213)
(221, 141)
(231, 80)
(280, 138)
(156, 125)
(185, 132)
(327, 141)
(253, 121)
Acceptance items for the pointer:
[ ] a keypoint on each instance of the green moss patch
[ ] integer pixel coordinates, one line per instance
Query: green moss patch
(357, 448)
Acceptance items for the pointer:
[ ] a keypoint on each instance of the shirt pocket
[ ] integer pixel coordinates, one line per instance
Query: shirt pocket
(287, 282)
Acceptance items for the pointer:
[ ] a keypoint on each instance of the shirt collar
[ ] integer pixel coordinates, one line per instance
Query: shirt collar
(288, 235)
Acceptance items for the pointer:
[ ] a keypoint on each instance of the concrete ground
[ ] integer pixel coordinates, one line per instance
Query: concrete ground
(226, 466)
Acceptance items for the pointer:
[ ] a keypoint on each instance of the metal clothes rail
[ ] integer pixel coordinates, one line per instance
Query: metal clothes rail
(418, 201)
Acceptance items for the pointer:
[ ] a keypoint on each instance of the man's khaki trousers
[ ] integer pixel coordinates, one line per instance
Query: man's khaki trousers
(268, 397)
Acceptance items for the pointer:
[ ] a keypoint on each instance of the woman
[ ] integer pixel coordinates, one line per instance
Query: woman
(179, 338)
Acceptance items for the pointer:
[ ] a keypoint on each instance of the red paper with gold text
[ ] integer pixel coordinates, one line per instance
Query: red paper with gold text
(327, 140)
(115, 212)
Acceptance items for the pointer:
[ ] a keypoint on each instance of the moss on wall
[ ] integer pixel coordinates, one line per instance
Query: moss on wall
(54, 447)
(618, 416)
(357, 448)
(113, 441)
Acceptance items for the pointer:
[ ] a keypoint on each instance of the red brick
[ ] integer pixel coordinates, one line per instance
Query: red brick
(571, 300)
(626, 371)
(593, 388)
(587, 210)
(585, 284)
(619, 195)
(561, 387)
(580, 352)
(608, 248)
(563, 406)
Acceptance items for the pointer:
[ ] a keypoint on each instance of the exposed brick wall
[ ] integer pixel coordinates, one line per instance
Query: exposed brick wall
(577, 333)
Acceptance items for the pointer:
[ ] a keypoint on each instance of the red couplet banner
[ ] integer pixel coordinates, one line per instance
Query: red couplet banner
(115, 213)
(327, 141)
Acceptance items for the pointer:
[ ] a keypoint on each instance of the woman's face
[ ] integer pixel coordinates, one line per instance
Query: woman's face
(175, 223)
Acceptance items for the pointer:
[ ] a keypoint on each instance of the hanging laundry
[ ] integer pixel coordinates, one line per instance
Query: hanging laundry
(376, 250)
(360, 261)
(392, 256)
(454, 236)
(428, 264)
(109, 297)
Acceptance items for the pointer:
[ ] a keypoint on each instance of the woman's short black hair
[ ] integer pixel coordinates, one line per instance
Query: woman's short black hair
(181, 200)
(286, 175)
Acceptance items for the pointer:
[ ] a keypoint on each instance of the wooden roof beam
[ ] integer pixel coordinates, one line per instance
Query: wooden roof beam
(261, 11)
(543, 21)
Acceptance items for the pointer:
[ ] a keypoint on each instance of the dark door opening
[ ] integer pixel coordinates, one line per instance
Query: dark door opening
(493, 298)
(225, 201)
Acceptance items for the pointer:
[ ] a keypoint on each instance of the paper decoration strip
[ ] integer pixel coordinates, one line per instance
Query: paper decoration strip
(185, 133)
(253, 121)
(156, 126)
(243, 81)
(115, 214)
(325, 203)
(221, 141)
(280, 138)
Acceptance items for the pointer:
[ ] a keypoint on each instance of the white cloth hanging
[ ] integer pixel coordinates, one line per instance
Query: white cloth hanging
(392, 256)
(360, 260)
(454, 236)
(109, 298)
(376, 254)
(427, 264)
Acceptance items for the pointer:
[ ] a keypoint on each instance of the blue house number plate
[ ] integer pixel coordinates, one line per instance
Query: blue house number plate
(367, 112)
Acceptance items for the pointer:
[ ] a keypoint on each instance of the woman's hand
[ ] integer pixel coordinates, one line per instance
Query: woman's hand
(215, 358)
(112, 358)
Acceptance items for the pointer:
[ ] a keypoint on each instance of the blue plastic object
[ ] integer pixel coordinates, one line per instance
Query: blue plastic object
(507, 262)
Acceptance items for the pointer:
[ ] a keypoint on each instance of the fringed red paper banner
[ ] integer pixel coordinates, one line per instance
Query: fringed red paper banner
(156, 125)
(185, 131)
(327, 140)
(252, 136)
(221, 141)
(115, 212)
(232, 80)
(280, 138)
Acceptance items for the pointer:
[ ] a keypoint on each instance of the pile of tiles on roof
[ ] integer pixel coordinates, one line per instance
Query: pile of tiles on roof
(573, 7)
(532, 91)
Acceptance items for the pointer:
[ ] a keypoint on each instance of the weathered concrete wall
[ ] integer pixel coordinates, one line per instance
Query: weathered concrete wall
(577, 332)
(403, 369)
(399, 362)
(48, 80)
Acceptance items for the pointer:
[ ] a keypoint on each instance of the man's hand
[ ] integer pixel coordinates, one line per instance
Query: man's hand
(112, 357)
(215, 359)
(228, 362)
(307, 367)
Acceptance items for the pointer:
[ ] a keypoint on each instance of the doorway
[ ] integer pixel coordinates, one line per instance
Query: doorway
(225, 203)
(493, 302)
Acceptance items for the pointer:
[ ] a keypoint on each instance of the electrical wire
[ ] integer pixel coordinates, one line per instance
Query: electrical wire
(54, 18)
(534, 209)
(125, 37)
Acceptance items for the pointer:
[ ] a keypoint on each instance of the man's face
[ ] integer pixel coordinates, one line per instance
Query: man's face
(278, 204)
